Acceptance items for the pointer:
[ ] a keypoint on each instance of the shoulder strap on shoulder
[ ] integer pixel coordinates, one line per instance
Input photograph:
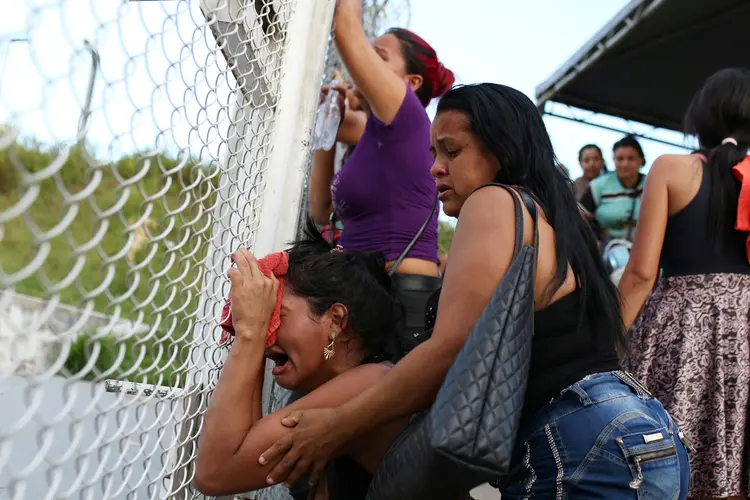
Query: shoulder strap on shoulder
(530, 206)
(528, 200)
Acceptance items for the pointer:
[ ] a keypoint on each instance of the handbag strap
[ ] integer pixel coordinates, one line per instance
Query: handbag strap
(414, 240)
(528, 201)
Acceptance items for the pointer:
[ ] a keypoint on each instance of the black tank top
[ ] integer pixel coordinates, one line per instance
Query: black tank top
(563, 351)
(347, 480)
(689, 246)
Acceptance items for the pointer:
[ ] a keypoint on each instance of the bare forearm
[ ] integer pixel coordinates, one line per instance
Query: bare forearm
(352, 127)
(321, 176)
(634, 292)
(350, 38)
(236, 402)
(381, 87)
(410, 386)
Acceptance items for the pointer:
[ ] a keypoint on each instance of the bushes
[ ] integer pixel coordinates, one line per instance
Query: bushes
(159, 287)
(445, 236)
(18, 245)
(155, 361)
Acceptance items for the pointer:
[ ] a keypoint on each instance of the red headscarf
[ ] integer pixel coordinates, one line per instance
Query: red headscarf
(276, 264)
(438, 76)
(742, 172)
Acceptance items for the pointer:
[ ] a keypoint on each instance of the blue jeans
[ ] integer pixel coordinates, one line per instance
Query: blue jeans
(604, 437)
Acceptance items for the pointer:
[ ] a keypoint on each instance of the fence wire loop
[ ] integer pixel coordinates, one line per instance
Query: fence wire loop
(137, 141)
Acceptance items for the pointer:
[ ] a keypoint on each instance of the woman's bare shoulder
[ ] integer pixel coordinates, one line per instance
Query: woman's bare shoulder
(676, 172)
(364, 374)
(352, 380)
(369, 449)
(488, 216)
(373, 370)
(673, 164)
(486, 205)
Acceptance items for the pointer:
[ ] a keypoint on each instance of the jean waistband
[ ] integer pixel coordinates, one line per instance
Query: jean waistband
(590, 390)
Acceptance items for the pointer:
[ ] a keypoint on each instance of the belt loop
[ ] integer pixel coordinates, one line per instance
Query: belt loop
(632, 382)
(580, 393)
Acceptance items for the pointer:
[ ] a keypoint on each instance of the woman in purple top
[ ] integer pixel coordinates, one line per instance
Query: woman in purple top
(384, 193)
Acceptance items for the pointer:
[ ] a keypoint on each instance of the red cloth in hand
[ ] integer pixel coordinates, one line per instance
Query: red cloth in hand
(742, 172)
(278, 264)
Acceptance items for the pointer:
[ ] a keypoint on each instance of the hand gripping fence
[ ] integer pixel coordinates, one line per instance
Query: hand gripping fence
(141, 143)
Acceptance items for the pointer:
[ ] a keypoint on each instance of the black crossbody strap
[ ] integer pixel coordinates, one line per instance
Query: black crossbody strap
(414, 240)
(528, 201)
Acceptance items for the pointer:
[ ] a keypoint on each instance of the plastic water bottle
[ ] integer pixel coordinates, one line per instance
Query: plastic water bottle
(327, 120)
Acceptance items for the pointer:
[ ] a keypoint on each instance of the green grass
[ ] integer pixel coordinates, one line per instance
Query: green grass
(158, 288)
(95, 358)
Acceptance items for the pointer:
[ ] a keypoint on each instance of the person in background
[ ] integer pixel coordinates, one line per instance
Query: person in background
(690, 343)
(614, 200)
(384, 193)
(592, 162)
(336, 316)
(564, 170)
(584, 421)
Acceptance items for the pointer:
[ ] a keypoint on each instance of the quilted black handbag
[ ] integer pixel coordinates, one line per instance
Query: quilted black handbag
(468, 435)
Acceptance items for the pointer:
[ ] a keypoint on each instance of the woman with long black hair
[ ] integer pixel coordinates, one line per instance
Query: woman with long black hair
(588, 430)
(691, 343)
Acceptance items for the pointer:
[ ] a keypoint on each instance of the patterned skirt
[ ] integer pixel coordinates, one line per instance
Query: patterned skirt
(691, 348)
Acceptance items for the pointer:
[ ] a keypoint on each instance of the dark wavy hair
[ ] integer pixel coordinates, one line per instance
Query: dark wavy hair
(721, 109)
(510, 128)
(629, 141)
(592, 146)
(355, 279)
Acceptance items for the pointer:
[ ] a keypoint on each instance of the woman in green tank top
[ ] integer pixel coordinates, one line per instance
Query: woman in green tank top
(613, 201)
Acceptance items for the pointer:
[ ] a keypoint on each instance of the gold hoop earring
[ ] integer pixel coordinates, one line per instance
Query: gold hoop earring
(330, 350)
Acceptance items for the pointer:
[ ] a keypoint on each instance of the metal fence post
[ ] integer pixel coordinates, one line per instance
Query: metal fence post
(277, 116)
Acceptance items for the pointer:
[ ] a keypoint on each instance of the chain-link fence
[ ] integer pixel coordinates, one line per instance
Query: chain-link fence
(141, 142)
(377, 16)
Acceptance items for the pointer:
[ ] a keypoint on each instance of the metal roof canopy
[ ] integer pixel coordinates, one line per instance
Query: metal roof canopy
(646, 64)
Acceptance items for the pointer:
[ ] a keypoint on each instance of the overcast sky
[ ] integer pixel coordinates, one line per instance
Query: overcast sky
(150, 84)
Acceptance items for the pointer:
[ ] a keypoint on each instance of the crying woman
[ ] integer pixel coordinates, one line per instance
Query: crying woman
(335, 316)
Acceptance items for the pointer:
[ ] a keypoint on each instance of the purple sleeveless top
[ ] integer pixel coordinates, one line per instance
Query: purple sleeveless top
(384, 192)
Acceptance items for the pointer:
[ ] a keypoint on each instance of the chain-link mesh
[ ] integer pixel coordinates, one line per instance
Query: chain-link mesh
(377, 16)
(137, 139)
